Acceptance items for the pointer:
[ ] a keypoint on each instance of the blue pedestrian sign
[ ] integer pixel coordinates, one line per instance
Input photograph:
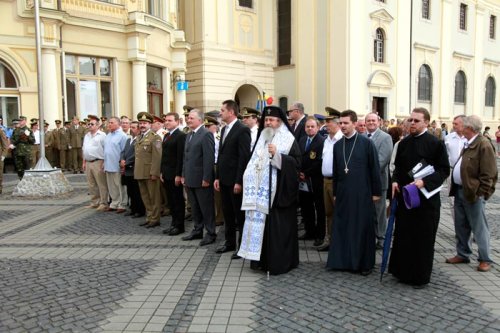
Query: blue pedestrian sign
(182, 85)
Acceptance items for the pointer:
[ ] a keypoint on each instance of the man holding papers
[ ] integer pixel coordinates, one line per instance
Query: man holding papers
(421, 166)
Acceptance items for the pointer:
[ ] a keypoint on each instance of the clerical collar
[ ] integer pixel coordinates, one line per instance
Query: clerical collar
(353, 134)
(425, 130)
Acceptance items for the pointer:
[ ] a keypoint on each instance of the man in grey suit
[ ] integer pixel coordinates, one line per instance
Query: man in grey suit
(383, 144)
(198, 177)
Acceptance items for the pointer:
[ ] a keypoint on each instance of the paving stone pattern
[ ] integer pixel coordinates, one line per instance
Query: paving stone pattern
(63, 295)
(350, 303)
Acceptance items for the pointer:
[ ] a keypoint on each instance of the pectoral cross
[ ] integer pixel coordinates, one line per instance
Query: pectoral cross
(346, 170)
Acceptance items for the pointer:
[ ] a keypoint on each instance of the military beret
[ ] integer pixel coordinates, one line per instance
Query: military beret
(187, 108)
(94, 117)
(46, 124)
(83, 122)
(86, 120)
(57, 121)
(210, 121)
(145, 116)
(67, 122)
(22, 118)
(15, 121)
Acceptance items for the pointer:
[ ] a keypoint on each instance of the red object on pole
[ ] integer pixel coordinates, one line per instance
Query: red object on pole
(269, 100)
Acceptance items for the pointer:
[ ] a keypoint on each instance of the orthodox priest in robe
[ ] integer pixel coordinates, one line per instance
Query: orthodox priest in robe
(415, 229)
(270, 192)
(356, 185)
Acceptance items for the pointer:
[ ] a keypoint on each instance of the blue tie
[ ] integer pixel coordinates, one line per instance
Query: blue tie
(308, 143)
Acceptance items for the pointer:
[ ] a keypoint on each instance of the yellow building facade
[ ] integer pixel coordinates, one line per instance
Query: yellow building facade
(109, 58)
(121, 57)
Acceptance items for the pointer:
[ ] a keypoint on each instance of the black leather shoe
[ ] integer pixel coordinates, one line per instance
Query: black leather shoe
(129, 214)
(207, 240)
(367, 272)
(137, 215)
(175, 231)
(225, 248)
(153, 225)
(143, 224)
(192, 236)
(323, 248)
(235, 256)
(167, 231)
(318, 242)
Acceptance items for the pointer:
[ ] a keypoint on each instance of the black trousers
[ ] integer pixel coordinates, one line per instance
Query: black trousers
(175, 199)
(234, 217)
(312, 205)
(134, 195)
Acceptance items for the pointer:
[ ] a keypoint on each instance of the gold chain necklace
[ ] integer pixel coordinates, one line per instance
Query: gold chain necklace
(350, 155)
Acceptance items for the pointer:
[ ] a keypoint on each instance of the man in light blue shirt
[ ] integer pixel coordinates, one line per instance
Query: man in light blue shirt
(113, 147)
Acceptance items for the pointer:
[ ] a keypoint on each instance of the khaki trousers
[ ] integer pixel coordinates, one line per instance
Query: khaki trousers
(329, 207)
(116, 190)
(96, 179)
(1, 174)
(35, 154)
(76, 159)
(151, 197)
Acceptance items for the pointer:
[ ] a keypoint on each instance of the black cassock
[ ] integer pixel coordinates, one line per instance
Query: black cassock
(280, 247)
(353, 232)
(415, 231)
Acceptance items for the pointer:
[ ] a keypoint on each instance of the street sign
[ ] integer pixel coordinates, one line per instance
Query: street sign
(182, 85)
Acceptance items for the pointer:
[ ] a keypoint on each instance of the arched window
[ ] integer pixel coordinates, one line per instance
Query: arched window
(425, 83)
(460, 88)
(9, 99)
(489, 99)
(378, 45)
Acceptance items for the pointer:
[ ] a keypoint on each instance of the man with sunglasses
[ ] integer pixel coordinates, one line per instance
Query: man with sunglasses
(415, 233)
(93, 160)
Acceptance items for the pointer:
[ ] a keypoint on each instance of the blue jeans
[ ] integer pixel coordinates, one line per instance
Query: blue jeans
(470, 217)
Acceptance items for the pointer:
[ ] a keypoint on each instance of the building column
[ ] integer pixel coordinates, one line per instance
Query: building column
(180, 96)
(50, 92)
(139, 88)
(165, 78)
(445, 86)
(479, 83)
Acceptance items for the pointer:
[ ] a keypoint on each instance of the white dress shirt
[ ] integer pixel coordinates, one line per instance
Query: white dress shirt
(457, 178)
(454, 145)
(327, 164)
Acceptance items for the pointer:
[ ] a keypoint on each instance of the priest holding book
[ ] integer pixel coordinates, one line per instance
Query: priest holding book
(416, 225)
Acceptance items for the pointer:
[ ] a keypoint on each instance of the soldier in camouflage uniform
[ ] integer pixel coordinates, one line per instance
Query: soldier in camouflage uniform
(23, 139)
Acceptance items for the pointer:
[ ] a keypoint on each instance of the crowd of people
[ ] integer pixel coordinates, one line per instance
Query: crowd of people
(257, 172)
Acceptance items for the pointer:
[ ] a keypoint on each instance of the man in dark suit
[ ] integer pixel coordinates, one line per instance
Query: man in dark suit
(171, 172)
(383, 144)
(234, 153)
(198, 177)
(127, 165)
(296, 113)
(312, 203)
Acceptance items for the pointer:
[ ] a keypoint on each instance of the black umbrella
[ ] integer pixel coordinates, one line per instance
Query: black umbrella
(388, 238)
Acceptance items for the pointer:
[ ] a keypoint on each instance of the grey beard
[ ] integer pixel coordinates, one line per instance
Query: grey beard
(268, 134)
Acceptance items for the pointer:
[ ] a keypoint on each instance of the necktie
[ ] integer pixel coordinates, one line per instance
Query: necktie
(225, 134)
(369, 135)
(166, 137)
(191, 136)
(308, 143)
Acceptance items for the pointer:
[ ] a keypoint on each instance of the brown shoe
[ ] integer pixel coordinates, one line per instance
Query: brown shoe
(484, 266)
(457, 260)
(109, 209)
(120, 210)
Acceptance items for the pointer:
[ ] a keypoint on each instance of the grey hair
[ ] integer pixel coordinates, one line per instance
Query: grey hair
(299, 106)
(461, 116)
(199, 113)
(118, 120)
(474, 123)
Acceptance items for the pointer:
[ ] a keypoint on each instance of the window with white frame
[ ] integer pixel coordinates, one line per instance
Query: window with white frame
(489, 99)
(245, 3)
(378, 45)
(460, 88)
(9, 99)
(88, 86)
(425, 84)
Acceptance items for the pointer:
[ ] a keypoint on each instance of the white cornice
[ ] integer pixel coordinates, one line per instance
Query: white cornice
(425, 47)
(462, 55)
(382, 15)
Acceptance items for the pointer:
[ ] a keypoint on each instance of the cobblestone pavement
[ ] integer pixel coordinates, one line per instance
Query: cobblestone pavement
(66, 268)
